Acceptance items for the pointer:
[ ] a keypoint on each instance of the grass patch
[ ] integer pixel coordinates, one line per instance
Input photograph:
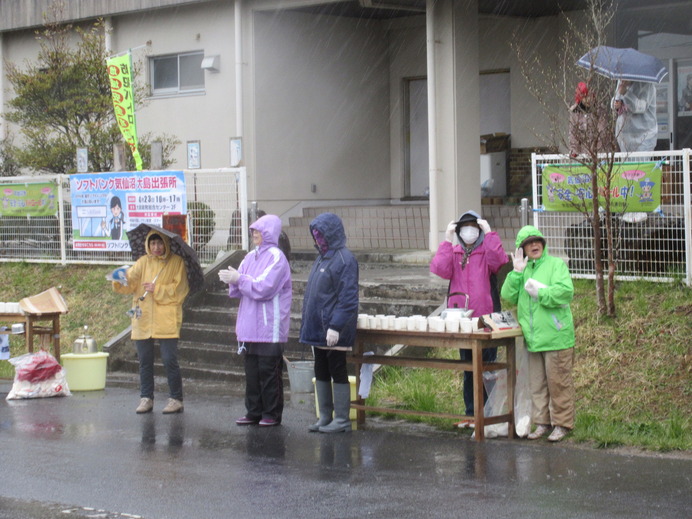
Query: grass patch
(90, 300)
(633, 373)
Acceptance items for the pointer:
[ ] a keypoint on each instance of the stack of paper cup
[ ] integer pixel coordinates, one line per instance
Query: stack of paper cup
(389, 319)
(363, 321)
(436, 324)
(452, 325)
(411, 323)
(465, 325)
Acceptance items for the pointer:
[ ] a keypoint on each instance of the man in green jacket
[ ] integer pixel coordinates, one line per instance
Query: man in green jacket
(541, 287)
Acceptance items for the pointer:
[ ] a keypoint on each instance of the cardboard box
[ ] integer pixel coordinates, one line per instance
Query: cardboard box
(493, 142)
(47, 302)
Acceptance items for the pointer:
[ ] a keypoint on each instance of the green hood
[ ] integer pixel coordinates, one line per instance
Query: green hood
(529, 231)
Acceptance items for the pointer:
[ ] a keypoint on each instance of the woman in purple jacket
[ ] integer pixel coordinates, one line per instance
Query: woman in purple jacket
(263, 284)
(469, 267)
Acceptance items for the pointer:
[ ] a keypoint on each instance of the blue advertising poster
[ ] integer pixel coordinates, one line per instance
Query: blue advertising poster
(107, 205)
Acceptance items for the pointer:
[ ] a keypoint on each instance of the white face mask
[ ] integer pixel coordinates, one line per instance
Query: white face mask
(469, 234)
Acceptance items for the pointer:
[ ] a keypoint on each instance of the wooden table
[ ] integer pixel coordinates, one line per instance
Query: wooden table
(476, 342)
(31, 329)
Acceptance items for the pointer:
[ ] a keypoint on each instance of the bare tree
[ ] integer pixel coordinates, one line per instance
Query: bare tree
(584, 125)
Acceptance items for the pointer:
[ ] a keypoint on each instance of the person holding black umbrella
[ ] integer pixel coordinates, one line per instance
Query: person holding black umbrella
(158, 283)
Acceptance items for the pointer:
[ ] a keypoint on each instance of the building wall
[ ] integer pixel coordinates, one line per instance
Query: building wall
(406, 41)
(208, 117)
(321, 108)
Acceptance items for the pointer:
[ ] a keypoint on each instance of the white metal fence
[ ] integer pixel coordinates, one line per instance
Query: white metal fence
(217, 205)
(656, 247)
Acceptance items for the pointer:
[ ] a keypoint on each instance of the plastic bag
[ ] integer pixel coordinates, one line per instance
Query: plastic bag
(119, 275)
(495, 383)
(37, 375)
(522, 392)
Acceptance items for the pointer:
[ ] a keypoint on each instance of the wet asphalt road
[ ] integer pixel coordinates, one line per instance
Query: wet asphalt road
(90, 455)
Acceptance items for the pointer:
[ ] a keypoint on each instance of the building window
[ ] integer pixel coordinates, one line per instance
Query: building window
(177, 73)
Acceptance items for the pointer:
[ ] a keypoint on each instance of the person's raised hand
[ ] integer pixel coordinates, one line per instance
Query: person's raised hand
(451, 231)
(519, 260)
(484, 225)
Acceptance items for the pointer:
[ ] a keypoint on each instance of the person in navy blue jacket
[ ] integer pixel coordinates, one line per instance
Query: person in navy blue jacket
(330, 315)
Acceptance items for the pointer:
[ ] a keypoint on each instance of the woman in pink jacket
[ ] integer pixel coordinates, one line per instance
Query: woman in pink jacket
(469, 267)
(263, 284)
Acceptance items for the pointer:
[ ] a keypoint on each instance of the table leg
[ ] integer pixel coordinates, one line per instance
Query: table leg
(511, 382)
(479, 416)
(358, 357)
(56, 337)
(29, 334)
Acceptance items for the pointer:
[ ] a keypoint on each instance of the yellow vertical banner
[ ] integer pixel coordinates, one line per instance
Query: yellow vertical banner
(120, 76)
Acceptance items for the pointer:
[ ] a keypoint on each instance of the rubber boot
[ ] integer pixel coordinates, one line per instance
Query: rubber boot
(342, 408)
(325, 404)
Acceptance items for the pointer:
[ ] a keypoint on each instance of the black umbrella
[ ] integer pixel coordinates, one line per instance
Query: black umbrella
(138, 237)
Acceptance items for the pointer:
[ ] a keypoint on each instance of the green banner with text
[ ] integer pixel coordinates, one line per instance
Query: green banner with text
(29, 199)
(634, 187)
(120, 75)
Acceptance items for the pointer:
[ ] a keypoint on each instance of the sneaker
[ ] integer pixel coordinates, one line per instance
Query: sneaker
(268, 422)
(541, 430)
(558, 433)
(244, 420)
(145, 406)
(173, 406)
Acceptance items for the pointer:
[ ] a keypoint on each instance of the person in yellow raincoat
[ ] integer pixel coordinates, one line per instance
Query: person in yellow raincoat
(158, 284)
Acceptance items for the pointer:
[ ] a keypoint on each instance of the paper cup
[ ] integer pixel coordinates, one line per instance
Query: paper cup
(400, 323)
(421, 323)
(474, 322)
(362, 321)
(466, 326)
(452, 325)
(390, 322)
(411, 324)
(436, 324)
(372, 322)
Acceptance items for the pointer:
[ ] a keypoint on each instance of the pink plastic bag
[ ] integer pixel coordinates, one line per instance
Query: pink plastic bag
(37, 375)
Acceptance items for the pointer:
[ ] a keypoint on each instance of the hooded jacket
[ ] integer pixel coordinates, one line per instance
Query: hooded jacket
(264, 288)
(331, 294)
(162, 310)
(546, 322)
(486, 258)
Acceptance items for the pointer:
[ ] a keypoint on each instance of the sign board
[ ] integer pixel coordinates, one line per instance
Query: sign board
(107, 205)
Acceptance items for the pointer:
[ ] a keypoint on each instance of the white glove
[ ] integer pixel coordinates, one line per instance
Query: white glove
(519, 260)
(332, 337)
(451, 231)
(532, 286)
(229, 276)
(483, 224)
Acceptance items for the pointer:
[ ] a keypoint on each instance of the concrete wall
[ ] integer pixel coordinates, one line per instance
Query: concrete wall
(321, 108)
(406, 43)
